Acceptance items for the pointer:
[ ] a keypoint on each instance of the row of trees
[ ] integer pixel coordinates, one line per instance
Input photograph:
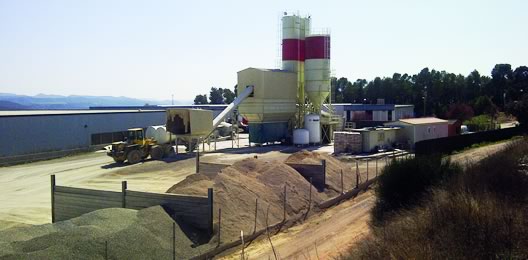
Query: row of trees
(216, 96)
(435, 91)
(432, 92)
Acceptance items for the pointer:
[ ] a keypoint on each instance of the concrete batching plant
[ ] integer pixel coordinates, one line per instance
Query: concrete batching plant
(294, 96)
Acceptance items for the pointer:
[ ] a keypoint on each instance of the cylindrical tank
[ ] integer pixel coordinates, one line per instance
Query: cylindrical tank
(317, 68)
(312, 123)
(294, 31)
(158, 133)
(301, 136)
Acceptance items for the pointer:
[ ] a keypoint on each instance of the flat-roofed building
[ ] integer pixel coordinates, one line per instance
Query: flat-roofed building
(418, 129)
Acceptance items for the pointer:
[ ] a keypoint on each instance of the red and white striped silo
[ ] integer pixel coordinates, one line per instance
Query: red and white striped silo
(294, 31)
(317, 69)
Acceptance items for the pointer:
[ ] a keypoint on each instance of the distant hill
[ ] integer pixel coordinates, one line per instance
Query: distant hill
(10, 101)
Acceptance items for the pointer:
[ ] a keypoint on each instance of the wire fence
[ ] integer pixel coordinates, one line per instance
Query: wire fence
(167, 240)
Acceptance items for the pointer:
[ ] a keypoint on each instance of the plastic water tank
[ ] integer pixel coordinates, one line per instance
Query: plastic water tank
(301, 136)
(158, 133)
(312, 123)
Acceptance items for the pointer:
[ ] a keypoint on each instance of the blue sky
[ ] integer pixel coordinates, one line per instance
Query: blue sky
(153, 49)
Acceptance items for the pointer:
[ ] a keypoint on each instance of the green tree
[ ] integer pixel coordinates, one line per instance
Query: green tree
(228, 95)
(501, 77)
(519, 109)
(216, 96)
(200, 99)
(485, 106)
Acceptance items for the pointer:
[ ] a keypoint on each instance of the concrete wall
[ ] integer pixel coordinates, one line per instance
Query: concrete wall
(45, 133)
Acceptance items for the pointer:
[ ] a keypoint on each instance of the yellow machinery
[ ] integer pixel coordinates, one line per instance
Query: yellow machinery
(136, 148)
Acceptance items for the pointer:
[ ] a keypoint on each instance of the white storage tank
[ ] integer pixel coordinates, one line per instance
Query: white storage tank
(301, 136)
(312, 123)
(158, 133)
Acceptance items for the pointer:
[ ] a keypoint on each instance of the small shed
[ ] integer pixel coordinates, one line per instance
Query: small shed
(453, 127)
(376, 138)
(418, 129)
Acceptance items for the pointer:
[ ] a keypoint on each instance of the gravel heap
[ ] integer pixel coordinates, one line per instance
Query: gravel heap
(238, 186)
(131, 234)
(333, 168)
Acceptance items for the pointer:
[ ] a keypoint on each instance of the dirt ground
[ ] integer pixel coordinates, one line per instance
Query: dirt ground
(330, 233)
(25, 195)
(323, 236)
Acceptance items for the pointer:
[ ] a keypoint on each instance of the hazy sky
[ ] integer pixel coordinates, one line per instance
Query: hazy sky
(152, 49)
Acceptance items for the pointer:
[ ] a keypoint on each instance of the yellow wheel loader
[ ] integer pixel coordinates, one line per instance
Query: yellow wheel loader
(137, 148)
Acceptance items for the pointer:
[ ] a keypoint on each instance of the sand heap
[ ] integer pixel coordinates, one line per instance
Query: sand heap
(131, 234)
(333, 169)
(238, 186)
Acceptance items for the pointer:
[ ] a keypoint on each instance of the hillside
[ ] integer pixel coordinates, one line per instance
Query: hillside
(41, 101)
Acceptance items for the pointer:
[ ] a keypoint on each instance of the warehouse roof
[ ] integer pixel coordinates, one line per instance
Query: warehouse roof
(14, 113)
(423, 120)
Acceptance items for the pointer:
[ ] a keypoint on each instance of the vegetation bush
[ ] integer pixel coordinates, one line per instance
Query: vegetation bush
(403, 183)
(481, 213)
(480, 123)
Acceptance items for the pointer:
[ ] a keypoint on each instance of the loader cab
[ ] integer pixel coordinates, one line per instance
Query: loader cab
(136, 136)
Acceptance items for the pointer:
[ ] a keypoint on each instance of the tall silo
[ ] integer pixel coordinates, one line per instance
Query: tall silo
(317, 69)
(294, 31)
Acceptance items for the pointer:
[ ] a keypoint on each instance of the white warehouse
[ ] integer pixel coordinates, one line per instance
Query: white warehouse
(33, 132)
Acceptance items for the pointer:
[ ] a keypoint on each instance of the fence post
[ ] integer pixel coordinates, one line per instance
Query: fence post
(376, 166)
(211, 200)
(173, 240)
(284, 205)
(106, 249)
(175, 144)
(198, 156)
(219, 224)
(52, 198)
(324, 173)
(357, 174)
(342, 190)
(310, 196)
(367, 169)
(256, 212)
(123, 193)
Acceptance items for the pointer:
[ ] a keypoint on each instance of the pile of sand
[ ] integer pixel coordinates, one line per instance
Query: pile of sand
(131, 234)
(333, 168)
(238, 186)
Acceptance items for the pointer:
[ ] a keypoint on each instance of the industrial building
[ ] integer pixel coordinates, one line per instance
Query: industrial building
(369, 115)
(418, 129)
(32, 132)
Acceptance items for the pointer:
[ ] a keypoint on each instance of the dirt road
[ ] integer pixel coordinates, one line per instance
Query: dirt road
(322, 237)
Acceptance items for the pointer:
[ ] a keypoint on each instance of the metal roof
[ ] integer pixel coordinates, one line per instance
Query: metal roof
(423, 121)
(14, 113)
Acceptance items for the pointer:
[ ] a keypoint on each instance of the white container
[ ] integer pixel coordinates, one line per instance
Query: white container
(301, 136)
(158, 133)
(312, 123)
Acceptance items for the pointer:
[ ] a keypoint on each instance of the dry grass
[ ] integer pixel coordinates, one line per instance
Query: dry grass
(480, 214)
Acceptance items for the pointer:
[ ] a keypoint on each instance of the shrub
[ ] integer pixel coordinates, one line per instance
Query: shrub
(403, 183)
(481, 213)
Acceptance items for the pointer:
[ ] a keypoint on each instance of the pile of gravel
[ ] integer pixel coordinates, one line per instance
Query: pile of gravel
(130, 234)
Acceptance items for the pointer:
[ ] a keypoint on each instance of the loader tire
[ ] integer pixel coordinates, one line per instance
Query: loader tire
(134, 157)
(119, 161)
(156, 152)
